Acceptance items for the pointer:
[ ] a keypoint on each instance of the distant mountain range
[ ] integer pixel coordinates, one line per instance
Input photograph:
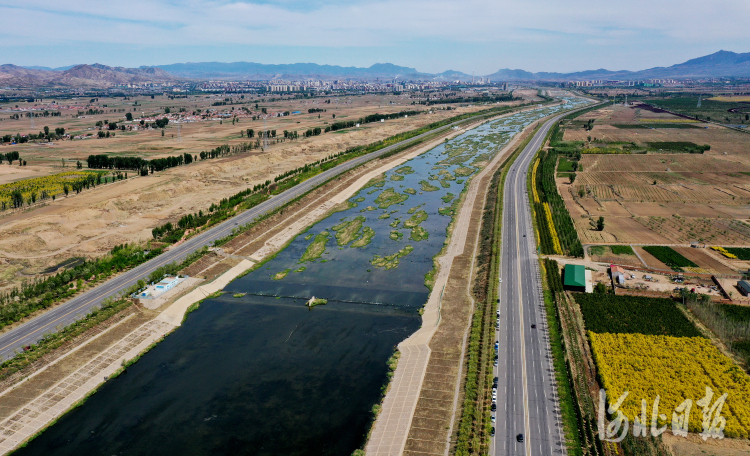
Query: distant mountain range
(719, 64)
(249, 70)
(95, 75)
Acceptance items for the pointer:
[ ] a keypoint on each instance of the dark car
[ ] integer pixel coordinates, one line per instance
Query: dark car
(493, 407)
(492, 432)
(533, 326)
(519, 438)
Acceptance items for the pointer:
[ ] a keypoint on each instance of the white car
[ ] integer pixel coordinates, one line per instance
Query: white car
(492, 418)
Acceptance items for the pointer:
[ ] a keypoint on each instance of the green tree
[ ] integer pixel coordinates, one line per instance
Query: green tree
(66, 189)
(167, 110)
(572, 177)
(16, 198)
(600, 288)
(128, 116)
(600, 224)
(46, 131)
(79, 165)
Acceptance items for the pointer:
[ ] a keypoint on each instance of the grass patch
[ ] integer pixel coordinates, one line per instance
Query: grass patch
(391, 261)
(397, 177)
(418, 234)
(280, 275)
(410, 191)
(463, 171)
(316, 248)
(448, 197)
(396, 235)
(622, 250)
(597, 250)
(405, 170)
(415, 219)
(389, 197)
(348, 231)
(367, 234)
(427, 187)
(238, 295)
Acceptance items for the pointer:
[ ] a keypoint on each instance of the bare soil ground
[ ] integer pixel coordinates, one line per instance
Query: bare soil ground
(692, 445)
(660, 198)
(91, 223)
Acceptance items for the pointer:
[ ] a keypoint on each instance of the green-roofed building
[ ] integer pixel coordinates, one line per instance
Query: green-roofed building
(574, 277)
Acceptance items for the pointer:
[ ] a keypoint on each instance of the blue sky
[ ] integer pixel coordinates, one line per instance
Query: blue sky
(429, 35)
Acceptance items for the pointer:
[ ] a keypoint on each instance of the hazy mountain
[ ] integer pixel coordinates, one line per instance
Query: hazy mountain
(95, 75)
(250, 70)
(48, 68)
(718, 64)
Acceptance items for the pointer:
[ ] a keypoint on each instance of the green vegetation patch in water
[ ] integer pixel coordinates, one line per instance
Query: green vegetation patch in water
(359, 200)
(397, 177)
(316, 248)
(405, 170)
(416, 219)
(348, 231)
(396, 235)
(418, 234)
(389, 197)
(282, 274)
(448, 197)
(427, 187)
(384, 216)
(367, 234)
(375, 182)
(463, 171)
(391, 261)
(410, 191)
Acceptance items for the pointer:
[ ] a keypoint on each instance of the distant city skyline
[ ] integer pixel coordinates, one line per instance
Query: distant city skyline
(431, 36)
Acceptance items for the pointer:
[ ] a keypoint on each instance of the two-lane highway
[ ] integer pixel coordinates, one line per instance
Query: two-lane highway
(527, 403)
(51, 321)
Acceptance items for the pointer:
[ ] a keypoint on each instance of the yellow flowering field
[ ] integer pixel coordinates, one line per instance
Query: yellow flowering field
(675, 368)
(43, 187)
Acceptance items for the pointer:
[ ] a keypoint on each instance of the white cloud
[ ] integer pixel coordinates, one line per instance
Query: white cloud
(376, 23)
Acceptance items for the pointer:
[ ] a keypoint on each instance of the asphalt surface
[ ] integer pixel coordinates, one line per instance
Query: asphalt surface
(12, 342)
(526, 394)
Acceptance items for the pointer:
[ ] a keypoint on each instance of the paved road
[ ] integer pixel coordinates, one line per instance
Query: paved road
(526, 393)
(51, 321)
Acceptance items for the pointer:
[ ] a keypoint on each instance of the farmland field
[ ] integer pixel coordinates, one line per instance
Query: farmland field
(670, 257)
(657, 198)
(634, 314)
(675, 369)
(648, 348)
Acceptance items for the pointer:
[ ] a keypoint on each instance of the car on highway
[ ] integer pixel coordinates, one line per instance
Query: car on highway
(519, 438)
(533, 326)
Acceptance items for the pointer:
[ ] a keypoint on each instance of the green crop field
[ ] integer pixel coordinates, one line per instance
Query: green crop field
(670, 257)
(606, 313)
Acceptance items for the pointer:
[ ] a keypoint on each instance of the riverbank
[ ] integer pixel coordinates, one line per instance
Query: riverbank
(36, 415)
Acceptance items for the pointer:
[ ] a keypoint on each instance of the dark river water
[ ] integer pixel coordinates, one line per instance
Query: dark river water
(257, 372)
